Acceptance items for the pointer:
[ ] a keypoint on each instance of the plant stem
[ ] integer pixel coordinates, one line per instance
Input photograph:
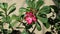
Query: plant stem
(6, 14)
(2, 27)
(20, 23)
(34, 29)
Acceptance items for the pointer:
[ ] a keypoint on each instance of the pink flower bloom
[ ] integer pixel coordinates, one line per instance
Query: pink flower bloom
(34, 19)
(30, 17)
(29, 20)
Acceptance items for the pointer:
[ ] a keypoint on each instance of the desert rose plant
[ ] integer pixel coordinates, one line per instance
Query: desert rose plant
(32, 14)
(28, 17)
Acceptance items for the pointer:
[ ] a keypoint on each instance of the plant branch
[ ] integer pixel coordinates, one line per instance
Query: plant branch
(20, 23)
(20, 27)
(6, 14)
(33, 29)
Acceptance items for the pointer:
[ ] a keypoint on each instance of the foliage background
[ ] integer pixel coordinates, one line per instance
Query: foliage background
(21, 3)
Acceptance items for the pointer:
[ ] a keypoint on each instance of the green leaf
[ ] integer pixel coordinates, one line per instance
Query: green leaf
(47, 25)
(28, 9)
(1, 6)
(45, 10)
(3, 19)
(11, 9)
(43, 20)
(22, 9)
(1, 13)
(12, 24)
(33, 3)
(4, 6)
(24, 32)
(39, 3)
(42, 15)
(20, 17)
(8, 19)
(56, 10)
(11, 5)
(29, 3)
(38, 26)
(13, 17)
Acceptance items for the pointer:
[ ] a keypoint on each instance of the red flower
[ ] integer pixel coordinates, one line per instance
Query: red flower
(30, 17)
